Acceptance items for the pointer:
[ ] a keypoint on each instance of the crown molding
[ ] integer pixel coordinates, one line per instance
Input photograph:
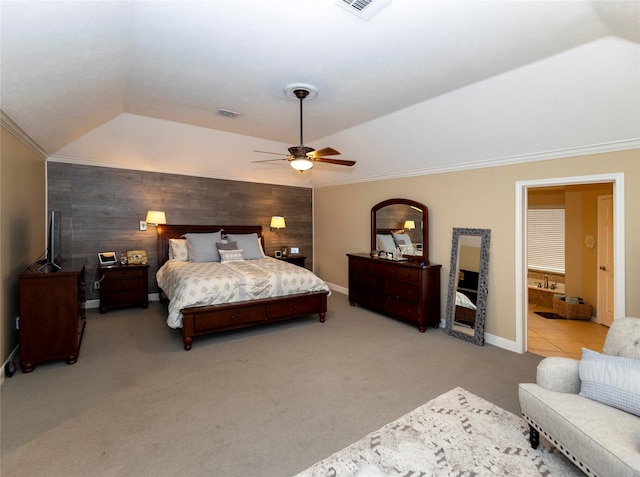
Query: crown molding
(613, 146)
(11, 126)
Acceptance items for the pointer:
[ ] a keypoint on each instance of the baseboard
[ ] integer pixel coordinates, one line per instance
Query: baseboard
(96, 303)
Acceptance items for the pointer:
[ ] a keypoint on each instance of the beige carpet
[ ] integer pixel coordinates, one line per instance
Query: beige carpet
(457, 433)
(268, 401)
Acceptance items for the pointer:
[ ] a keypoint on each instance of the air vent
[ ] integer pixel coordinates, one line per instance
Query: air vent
(226, 113)
(364, 9)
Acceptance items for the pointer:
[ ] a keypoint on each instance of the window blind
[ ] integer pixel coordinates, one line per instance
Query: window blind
(545, 239)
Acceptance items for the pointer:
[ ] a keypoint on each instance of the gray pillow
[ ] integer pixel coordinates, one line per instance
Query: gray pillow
(249, 243)
(227, 246)
(202, 247)
(385, 243)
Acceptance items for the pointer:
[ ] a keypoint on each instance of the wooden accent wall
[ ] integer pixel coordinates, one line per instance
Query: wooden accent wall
(102, 207)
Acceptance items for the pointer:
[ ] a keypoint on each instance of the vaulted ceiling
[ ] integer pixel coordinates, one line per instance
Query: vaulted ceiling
(139, 83)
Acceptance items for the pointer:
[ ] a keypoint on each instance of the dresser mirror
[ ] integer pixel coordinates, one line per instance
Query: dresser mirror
(401, 224)
(467, 298)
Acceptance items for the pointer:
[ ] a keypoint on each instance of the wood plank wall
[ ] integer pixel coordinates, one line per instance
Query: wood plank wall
(102, 207)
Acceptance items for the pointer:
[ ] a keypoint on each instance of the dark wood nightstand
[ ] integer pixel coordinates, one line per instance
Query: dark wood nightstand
(124, 285)
(295, 259)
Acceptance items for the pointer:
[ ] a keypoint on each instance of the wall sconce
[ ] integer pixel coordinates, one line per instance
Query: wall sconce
(277, 223)
(154, 217)
(409, 224)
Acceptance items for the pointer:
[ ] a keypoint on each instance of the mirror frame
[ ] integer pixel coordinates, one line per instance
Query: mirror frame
(481, 303)
(425, 225)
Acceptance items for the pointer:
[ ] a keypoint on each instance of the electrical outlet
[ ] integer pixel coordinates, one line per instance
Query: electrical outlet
(96, 285)
(143, 225)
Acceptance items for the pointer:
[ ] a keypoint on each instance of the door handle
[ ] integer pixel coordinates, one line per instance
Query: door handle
(603, 268)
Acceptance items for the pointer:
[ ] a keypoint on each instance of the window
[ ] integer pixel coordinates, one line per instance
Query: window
(545, 239)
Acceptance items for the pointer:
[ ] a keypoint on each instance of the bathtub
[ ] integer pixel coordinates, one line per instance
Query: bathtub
(543, 296)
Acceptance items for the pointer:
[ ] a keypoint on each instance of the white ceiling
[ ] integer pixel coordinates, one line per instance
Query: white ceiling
(80, 76)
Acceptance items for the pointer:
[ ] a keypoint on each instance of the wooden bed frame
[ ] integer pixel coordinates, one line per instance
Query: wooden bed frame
(210, 319)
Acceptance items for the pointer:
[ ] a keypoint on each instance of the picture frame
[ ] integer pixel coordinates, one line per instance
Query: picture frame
(295, 250)
(137, 257)
(278, 254)
(107, 258)
(285, 251)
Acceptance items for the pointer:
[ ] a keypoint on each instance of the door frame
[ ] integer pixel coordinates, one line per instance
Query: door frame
(522, 294)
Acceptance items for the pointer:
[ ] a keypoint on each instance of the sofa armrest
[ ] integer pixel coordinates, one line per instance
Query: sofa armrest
(559, 374)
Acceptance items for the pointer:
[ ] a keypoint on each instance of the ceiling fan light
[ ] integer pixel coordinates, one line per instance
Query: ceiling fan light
(301, 164)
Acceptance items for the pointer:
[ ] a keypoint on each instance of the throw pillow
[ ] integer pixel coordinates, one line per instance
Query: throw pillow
(250, 243)
(178, 250)
(227, 245)
(202, 247)
(385, 243)
(231, 255)
(611, 380)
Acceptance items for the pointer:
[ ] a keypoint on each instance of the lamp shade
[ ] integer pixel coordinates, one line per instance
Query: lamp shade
(156, 217)
(409, 224)
(277, 222)
(301, 164)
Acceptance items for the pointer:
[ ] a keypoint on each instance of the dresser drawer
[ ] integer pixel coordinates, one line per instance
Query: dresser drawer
(378, 267)
(400, 308)
(363, 297)
(409, 274)
(407, 292)
(295, 306)
(364, 280)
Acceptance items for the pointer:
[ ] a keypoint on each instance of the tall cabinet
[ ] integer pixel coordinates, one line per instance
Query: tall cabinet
(52, 314)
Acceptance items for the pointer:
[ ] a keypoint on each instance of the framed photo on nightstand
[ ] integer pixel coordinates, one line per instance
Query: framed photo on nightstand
(295, 250)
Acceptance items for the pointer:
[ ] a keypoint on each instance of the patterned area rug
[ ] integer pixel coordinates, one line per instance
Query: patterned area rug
(455, 434)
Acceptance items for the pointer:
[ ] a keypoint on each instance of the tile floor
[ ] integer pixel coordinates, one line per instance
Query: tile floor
(548, 337)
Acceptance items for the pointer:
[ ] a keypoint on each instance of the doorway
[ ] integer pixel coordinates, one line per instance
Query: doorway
(522, 295)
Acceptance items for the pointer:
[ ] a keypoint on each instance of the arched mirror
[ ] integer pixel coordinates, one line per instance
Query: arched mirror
(401, 224)
(467, 299)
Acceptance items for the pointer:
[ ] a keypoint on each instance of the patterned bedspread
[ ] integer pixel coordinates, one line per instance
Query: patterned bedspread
(189, 284)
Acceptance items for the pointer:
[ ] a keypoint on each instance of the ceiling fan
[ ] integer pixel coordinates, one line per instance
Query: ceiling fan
(302, 157)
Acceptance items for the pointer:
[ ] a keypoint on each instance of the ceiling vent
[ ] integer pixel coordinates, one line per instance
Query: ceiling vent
(364, 9)
(227, 113)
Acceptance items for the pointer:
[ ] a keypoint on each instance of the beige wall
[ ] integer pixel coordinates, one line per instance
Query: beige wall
(23, 224)
(480, 198)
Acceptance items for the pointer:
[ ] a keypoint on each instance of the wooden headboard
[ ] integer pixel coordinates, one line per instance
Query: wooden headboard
(166, 232)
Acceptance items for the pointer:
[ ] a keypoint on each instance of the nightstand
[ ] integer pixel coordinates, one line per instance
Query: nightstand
(295, 259)
(123, 285)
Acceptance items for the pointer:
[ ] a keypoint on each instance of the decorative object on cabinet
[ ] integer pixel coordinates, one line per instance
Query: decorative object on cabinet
(467, 296)
(137, 257)
(52, 314)
(409, 291)
(107, 258)
(124, 285)
(388, 219)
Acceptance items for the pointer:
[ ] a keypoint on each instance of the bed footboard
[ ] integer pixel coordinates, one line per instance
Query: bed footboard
(206, 320)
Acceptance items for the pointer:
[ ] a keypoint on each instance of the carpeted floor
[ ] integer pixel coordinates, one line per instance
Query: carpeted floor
(267, 401)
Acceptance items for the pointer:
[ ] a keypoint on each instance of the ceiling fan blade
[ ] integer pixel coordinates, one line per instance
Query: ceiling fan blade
(268, 152)
(327, 151)
(339, 162)
(272, 160)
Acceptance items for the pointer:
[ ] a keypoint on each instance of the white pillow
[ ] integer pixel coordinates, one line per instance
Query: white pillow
(178, 250)
(611, 380)
(250, 243)
(401, 239)
(202, 247)
(385, 243)
(231, 255)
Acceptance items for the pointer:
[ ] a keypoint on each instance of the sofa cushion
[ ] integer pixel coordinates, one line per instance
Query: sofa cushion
(611, 380)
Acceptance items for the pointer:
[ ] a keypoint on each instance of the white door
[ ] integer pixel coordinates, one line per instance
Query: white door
(605, 260)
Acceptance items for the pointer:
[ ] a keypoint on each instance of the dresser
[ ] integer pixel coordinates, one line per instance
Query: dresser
(52, 315)
(405, 290)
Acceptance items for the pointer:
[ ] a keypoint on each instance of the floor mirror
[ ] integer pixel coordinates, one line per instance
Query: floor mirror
(467, 294)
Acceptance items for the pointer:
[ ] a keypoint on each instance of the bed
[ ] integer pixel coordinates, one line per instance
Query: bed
(271, 290)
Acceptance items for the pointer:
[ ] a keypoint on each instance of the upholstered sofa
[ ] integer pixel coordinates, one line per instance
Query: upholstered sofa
(577, 404)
